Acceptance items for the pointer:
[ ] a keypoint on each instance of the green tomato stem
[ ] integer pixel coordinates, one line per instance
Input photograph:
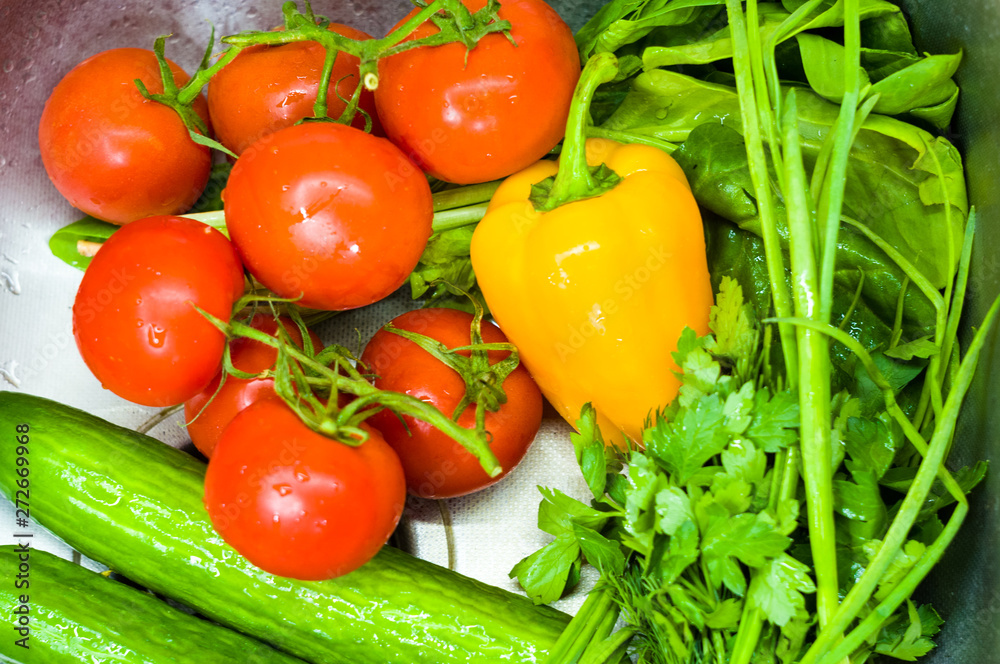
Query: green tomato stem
(342, 424)
(320, 105)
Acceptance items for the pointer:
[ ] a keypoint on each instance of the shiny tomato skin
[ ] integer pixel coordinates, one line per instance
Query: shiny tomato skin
(114, 154)
(236, 394)
(435, 465)
(499, 113)
(328, 212)
(133, 317)
(267, 88)
(296, 503)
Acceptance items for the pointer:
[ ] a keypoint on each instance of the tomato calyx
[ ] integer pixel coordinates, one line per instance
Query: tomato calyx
(483, 381)
(311, 384)
(181, 99)
(576, 180)
(470, 26)
(454, 21)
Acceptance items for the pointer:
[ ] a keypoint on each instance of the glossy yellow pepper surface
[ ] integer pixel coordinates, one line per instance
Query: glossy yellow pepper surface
(596, 292)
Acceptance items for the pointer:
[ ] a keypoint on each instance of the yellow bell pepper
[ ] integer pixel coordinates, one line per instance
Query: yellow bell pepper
(596, 292)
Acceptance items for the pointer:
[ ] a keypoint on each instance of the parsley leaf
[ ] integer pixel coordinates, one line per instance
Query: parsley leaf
(778, 586)
(732, 322)
(695, 435)
(548, 572)
(775, 420)
(590, 451)
(750, 538)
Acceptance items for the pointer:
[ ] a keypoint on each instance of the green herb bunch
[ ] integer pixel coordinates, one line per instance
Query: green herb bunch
(704, 526)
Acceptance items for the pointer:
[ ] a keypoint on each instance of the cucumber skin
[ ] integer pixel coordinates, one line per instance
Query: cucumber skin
(134, 504)
(79, 615)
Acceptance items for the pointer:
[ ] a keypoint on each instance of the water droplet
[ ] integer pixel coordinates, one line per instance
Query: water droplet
(276, 518)
(3, 161)
(8, 66)
(662, 113)
(301, 475)
(157, 336)
(283, 490)
(11, 282)
(139, 323)
(7, 373)
(252, 12)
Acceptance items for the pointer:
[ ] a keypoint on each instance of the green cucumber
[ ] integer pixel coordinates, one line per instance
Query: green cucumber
(68, 614)
(134, 504)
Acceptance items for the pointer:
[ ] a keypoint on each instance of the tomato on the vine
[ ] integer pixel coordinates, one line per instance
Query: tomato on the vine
(435, 465)
(134, 317)
(329, 213)
(474, 116)
(209, 412)
(296, 503)
(114, 154)
(267, 88)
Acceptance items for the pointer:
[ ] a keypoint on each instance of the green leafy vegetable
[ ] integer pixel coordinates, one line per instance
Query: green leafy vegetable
(785, 506)
(70, 243)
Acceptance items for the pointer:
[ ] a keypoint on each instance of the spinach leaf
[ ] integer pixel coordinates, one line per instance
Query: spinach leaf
(65, 242)
(893, 186)
(719, 45)
(919, 84)
(626, 21)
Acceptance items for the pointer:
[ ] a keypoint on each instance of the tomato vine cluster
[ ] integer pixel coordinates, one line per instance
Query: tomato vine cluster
(336, 139)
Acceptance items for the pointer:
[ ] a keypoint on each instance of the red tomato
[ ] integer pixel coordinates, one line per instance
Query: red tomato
(435, 465)
(236, 393)
(485, 119)
(328, 212)
(114, 154)
(267, 88)
(296, 503)
(134, 319)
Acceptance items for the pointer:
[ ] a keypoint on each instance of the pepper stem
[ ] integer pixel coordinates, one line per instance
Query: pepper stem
(576, 180)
